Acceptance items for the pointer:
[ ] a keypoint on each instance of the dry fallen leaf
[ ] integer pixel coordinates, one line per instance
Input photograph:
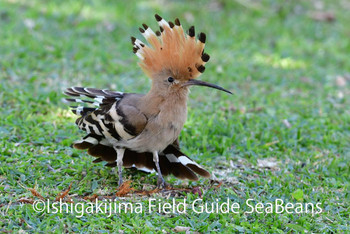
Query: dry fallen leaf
(26, 200)
(147, 193)
(219, 185)
(124, 189)
(64, 193)
(35, 193)
(92, 197)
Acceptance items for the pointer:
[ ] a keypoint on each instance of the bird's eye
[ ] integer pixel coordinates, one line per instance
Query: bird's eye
(171, 80)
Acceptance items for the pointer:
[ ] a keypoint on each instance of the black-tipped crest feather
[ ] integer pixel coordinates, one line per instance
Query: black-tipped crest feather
(158, 18)
(191, 31)
(202, 37)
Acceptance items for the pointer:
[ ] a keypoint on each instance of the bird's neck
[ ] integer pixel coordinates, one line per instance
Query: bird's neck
(170, 103)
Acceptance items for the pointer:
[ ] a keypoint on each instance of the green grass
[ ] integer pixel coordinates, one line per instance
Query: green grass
(282, 65)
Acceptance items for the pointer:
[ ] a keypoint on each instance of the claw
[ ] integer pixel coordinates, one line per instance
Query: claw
(161, 184)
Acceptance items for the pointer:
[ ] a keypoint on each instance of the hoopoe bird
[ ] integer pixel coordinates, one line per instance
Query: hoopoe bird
(142, 130)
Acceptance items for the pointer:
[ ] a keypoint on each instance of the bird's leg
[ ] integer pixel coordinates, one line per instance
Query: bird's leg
(160, 180)
(120, 155)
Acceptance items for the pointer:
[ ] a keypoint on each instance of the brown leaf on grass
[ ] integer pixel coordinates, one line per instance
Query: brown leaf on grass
(219, 185)
(35, 193)
(323, 16)
(26, 200)
(147, 193)
(92, 197)
(124, 189)
(64, 193)
(182, 229)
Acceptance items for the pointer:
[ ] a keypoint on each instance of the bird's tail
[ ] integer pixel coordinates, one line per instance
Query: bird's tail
(171, 160)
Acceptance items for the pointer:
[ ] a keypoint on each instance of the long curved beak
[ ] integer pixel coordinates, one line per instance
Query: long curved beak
(203, 83)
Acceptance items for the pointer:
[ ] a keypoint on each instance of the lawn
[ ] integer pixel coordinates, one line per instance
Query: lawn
(283, 135)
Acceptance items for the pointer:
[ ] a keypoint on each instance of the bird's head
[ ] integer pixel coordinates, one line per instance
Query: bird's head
(172, 59)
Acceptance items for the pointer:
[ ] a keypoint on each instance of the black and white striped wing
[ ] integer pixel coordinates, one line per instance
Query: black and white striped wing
(94, 108)
(90, 96)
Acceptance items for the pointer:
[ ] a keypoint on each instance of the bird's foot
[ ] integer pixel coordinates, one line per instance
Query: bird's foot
(161, 184)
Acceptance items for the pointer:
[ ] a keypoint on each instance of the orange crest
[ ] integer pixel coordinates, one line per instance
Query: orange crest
(171, 50)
